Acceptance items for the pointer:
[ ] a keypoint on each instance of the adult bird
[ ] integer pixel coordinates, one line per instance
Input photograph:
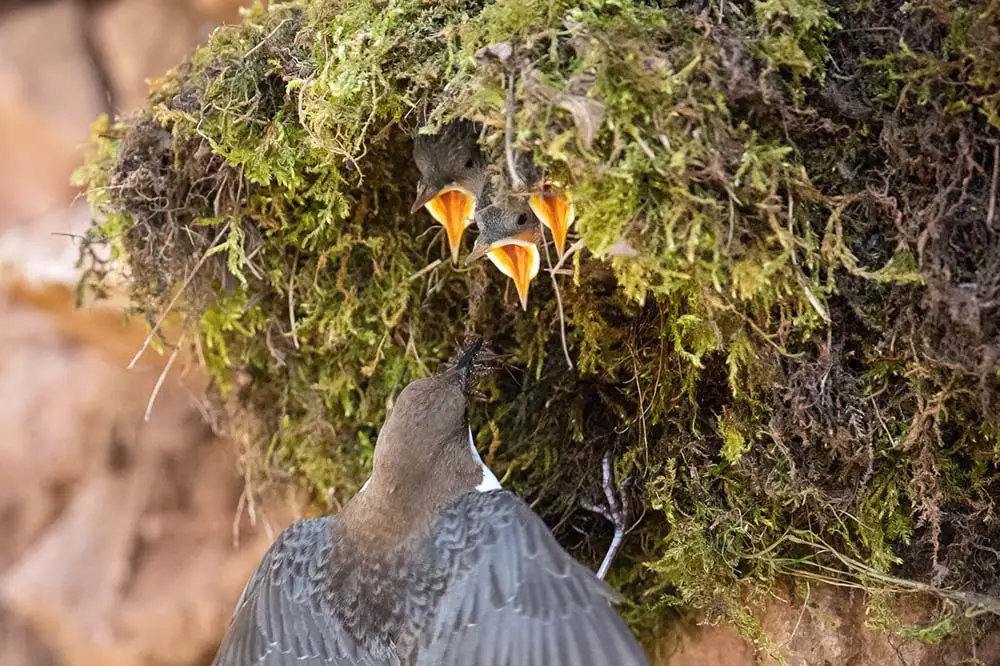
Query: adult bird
(432, 563)
(452, 176)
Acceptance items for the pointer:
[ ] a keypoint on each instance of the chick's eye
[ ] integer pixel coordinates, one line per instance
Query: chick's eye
(521, 221)
(468, 163)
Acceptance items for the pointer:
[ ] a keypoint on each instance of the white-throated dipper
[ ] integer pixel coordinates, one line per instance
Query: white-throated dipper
(510, 239)
(430, 564)
(452, 176)
(550, 202)
(455, 188)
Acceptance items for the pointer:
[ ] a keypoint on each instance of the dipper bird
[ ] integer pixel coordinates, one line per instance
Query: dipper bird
(509, 238)
(452, 176)
(556, 211)
(430, 564)
(550, 202)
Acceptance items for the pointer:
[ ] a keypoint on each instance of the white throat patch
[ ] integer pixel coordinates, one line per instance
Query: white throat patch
(489, 481)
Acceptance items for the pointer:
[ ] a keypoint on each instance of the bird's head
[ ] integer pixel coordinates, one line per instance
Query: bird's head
(425, 438)
(509, 238)
(452, 176)
(450, 158)
(441, 399)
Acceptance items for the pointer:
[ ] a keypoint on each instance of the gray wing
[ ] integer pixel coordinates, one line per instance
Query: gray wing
(516, 598)
(285, 615)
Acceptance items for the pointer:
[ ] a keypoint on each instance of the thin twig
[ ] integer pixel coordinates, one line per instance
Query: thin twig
(562, 316)
(570, 252)
(266, 37)
(757, 329)
(426, 269)
(805, 604)
(993, 187)
(983, 603)
(162, 377)
(508, 135)
(811, 297)
(291, 299)
(173, 301)
(878, 415)
(245, 503)
(240, 503)
(68, 235)
(412, 348)
(642, 407)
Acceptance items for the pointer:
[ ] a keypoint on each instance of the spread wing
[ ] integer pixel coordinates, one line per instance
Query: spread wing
(516, 598)
(285, 615)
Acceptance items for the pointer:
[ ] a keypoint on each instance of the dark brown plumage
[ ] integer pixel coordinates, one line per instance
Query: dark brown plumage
(452, 177)
(428, 565)
(509, 238)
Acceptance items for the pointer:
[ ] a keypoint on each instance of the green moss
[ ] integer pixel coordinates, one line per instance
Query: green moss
(794, 35)
(796, 363)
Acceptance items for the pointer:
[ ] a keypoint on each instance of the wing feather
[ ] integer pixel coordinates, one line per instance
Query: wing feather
(285, 615)
(515, 597)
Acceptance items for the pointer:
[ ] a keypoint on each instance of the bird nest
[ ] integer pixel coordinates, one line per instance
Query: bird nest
(780, 310)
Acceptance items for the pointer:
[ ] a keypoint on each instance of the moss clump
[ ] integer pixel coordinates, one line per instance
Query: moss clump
(783, 318)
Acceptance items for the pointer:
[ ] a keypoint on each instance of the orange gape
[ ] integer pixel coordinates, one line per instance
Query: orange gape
(518, 262)
(453, 209)
(557, 213)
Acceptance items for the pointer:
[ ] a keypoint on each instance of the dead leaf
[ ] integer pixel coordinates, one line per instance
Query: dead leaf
(622, 248)
(500, 52)
(588, 114)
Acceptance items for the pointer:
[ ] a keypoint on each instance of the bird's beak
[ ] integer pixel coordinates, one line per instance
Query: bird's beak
(519, 260)
(453, 209)
(556, 211)
(423, 196)
(479, 251)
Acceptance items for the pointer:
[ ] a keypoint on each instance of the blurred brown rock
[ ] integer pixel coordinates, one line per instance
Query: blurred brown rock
(141, 39)
(20, 645)
(63, 63)
(49, 94)
(220, 10)
(118, 533)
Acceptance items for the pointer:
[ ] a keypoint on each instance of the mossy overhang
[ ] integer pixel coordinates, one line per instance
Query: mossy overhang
(781, 314)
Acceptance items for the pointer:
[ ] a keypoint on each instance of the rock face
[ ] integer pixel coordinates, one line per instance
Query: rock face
(829, 627)
(119, 533)
(62, 63)
(49, 94)
(217, 10)
(140, 38)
